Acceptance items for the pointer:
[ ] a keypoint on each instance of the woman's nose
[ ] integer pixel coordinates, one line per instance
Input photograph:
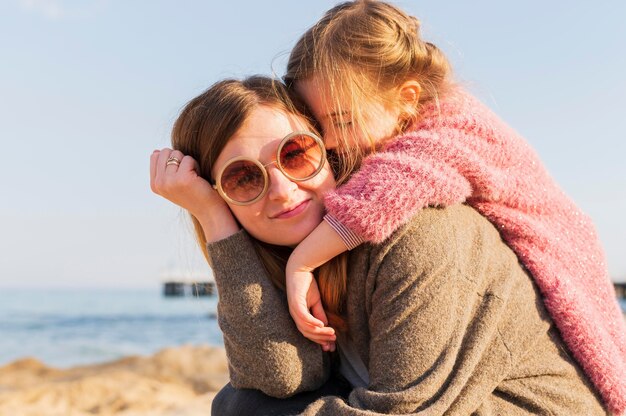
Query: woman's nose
(280, 186)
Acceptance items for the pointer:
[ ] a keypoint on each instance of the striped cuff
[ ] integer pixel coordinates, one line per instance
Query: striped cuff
(350, 239)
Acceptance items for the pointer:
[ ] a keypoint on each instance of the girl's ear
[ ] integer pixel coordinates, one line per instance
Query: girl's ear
(410, 93)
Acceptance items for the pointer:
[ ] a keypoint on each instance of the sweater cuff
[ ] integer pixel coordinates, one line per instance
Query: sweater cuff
(350, 239)
(224, 248)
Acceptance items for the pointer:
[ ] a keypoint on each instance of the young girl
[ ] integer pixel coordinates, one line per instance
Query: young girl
(375, 87)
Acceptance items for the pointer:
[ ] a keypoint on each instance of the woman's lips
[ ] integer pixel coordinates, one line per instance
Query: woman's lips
(292, 212)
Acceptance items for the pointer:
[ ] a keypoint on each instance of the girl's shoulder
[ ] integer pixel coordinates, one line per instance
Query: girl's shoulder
(456, 104)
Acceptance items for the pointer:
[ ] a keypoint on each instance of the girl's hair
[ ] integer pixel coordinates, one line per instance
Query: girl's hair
(202, 130)
(362, 50)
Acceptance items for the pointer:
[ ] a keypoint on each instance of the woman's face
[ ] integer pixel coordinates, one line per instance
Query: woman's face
(379, 121)
(289, 210)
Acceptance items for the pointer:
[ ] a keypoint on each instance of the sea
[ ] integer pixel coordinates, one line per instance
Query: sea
(68, 327)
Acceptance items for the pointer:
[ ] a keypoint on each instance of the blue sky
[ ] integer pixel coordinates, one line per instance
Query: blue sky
(89, 88)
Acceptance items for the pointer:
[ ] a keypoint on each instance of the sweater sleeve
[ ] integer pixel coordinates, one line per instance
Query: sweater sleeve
(435, 347)
(392, 185)
(264, 348)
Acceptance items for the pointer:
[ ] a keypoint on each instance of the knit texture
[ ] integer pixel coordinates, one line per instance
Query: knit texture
(442, 315)
(462, 152)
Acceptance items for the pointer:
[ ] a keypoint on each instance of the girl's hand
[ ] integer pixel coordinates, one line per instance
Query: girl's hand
(303, 295)
(180, 183)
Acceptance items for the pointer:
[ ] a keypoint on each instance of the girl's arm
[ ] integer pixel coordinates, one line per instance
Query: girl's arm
(324, 243)
(389, 188)
(392, 186)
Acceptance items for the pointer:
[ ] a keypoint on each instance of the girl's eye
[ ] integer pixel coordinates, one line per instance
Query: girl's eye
(342, 124)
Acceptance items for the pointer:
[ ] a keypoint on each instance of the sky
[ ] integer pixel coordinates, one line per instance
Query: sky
(88, 89)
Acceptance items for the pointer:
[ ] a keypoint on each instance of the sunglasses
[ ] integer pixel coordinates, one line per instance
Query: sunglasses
(243, 181)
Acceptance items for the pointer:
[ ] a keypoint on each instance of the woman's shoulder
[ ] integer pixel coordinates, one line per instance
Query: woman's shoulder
(441, 234)
(438, 225)
(456, 238)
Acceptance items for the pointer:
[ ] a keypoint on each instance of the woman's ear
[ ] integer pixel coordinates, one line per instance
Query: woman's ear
(410, 93)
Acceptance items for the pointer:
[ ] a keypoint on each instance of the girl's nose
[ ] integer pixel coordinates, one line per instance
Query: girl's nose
(280, 186)
(330, 140)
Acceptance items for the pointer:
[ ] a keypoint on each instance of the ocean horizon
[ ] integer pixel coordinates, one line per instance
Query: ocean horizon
(69, 327)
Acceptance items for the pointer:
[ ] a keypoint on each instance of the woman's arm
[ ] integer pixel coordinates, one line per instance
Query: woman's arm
(265, 350)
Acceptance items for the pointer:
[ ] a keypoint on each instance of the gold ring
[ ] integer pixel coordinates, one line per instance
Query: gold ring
(172, 161)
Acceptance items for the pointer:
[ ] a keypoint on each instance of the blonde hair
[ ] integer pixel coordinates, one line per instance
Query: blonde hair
(202, 130)
(362, 50)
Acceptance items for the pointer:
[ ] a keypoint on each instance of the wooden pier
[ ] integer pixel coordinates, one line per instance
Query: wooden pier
(208, 288)
(181, 288)
(620, 289)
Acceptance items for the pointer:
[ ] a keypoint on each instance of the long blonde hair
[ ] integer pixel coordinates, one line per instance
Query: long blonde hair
(202, 130)
(361, 50)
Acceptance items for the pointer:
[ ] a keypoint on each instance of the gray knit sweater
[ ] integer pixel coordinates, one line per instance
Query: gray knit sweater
(442, 314)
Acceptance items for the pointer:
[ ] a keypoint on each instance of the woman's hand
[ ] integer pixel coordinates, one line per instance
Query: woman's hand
(180, 183)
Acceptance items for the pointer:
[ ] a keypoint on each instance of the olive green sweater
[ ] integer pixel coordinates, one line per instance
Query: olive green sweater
(442, 315)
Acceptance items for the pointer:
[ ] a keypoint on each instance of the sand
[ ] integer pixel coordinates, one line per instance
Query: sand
(179, 381)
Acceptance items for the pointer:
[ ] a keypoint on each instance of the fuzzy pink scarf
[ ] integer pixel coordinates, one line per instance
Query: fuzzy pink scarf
(461, 152)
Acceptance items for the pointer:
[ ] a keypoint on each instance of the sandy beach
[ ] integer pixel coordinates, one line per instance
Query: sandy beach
(179, 381)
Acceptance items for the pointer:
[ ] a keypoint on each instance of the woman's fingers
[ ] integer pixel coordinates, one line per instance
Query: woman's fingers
(154, 157)
(173, 161)
(165, 167)
(160, 165)
(188, 164)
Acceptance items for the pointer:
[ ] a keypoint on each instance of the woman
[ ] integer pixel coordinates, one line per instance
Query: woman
(440, 318)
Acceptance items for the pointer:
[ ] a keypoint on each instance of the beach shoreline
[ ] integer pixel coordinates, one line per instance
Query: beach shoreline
(178, 381)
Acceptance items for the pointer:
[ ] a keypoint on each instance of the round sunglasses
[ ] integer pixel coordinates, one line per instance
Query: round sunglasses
(243, 181)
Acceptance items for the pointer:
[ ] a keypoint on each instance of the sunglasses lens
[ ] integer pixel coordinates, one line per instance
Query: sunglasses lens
(242, 181)
(301, 156)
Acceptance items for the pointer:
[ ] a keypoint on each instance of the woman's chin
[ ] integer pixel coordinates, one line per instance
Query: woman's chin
(289, 236)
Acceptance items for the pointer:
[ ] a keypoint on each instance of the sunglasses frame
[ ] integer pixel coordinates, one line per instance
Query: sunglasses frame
(266, 180)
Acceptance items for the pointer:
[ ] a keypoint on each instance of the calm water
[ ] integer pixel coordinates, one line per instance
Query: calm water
(70, 327)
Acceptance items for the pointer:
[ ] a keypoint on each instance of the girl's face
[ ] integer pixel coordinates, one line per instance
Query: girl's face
(290, 210)
(379, 121)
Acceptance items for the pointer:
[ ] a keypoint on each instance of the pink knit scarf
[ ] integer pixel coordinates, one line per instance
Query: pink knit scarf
(461, 152)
